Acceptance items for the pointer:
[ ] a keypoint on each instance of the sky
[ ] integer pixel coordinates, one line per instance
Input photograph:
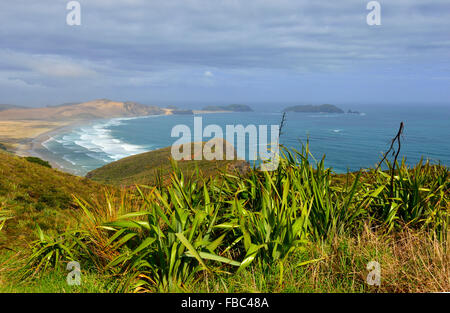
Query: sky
(225, 51)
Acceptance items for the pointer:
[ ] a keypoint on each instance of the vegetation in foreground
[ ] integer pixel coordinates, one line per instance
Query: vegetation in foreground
(297, 229)
(32, 193)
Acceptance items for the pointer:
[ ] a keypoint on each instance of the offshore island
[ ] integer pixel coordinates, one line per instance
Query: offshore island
(324, 108)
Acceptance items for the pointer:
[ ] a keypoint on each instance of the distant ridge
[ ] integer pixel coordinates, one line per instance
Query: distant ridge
(102, 108)
(61, 105)
(9, 107)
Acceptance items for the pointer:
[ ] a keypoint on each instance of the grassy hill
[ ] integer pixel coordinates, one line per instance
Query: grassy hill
(290, 230)
(144, 168)
(297, 229)
(32, 193)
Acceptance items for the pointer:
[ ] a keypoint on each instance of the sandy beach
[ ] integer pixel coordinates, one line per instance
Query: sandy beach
(26, 138)
(37, 149)
(17, 135)
(24, 130)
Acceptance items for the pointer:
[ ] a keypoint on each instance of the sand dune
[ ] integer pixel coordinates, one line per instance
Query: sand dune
(82, 111)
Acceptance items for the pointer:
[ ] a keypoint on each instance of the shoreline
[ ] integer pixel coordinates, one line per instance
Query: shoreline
(34, 145)
(36, 148)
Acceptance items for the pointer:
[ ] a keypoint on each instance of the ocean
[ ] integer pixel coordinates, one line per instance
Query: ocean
(349, 141)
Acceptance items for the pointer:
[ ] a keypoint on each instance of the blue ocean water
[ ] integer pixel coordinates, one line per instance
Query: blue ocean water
(349, 141)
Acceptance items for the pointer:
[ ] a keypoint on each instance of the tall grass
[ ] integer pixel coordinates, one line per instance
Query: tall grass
(168, 237)
(420, 198)
(4, 216)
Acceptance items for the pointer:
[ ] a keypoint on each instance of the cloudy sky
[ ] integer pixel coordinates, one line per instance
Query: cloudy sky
(219, 51)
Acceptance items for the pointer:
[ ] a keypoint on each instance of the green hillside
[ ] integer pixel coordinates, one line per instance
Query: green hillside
(144, 168)
(32, 193)
(290, 230)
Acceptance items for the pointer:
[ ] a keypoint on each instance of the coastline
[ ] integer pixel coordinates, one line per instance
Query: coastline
(36, 148)
(27, 137)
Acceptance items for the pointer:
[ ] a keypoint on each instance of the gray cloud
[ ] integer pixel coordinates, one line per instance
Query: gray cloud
(172, 43)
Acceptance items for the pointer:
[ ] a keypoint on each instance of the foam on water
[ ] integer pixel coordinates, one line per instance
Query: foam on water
(92, 146)
(97, 138)
(67, 158)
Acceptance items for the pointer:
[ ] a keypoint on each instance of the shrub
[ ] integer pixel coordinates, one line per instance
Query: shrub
(38, 161)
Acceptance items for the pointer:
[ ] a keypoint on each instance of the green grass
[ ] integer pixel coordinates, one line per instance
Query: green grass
(411, 262)
(300, 228)
(33, 194)
(154, 167)
(47, 282)
(264, 231)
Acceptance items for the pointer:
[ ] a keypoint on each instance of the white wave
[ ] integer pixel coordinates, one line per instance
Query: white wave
(98, 157)
(98, 139)
(45, 143)
(119, 119)
(66, 157)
